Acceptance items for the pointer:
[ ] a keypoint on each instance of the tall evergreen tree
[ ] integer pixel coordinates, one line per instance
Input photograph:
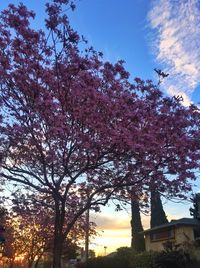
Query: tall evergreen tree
(137, 241)
(195, 211)
(158, 216)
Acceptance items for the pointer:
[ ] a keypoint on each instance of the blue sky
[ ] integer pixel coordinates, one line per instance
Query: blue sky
(146, 34)
(117, 28)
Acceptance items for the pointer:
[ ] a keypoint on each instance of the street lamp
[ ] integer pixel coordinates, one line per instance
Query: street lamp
(105, 248)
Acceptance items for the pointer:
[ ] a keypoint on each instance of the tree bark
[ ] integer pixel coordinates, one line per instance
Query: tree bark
(58, 235)
(30, 263)
(57, 252)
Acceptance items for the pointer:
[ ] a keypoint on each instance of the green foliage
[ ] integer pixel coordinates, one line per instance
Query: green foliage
(47, 264)
(120, 260)
(70, 251)
(126, 258)
(164, 259)
(91, 254)
(123, 257)
(102, 262)
(175, 259)
(144, 260)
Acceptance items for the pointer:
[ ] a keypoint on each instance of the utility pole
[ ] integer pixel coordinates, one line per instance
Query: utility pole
(87, 227)
(105, 248)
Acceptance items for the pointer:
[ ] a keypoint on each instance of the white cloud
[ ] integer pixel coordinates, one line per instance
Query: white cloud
(176, 43)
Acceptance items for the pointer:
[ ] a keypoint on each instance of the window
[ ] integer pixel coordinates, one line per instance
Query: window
(162, 235)
(197, 233)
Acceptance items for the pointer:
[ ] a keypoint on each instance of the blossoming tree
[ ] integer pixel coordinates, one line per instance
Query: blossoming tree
(75, 129)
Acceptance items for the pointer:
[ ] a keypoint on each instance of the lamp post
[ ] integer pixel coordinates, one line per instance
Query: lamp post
(105, 248)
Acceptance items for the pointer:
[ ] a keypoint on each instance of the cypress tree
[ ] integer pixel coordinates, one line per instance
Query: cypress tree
(137, 241)
(195, 211)
(158, 216)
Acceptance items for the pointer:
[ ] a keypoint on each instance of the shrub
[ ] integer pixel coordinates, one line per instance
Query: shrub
(126, 258)
(102, 262)
(143, 260)
(175, 259)
(123, 257)
(47, 264)
(120, 260)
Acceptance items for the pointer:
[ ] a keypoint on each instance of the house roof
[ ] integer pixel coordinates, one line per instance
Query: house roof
(182, 221)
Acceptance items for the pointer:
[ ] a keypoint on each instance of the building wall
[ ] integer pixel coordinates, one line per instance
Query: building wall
(182, 234)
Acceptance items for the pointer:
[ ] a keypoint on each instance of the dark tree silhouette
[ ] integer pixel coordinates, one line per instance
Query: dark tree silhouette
(137, 241)
(195, 211)
(158, 216)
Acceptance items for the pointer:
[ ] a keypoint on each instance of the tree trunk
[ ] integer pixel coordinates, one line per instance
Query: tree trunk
(158, 216)
(57, 252)
(30, 263)
(37, 261)
(137, 241)
(11, 263)
(58, 236)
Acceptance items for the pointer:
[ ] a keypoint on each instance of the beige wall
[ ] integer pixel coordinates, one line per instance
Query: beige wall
(182, 234)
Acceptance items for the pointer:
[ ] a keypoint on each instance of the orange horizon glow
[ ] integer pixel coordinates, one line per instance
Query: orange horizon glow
(115, 230)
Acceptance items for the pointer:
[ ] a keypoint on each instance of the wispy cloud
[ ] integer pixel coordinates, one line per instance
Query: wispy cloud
(109, 222)
(176, 43)
(118, 221)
